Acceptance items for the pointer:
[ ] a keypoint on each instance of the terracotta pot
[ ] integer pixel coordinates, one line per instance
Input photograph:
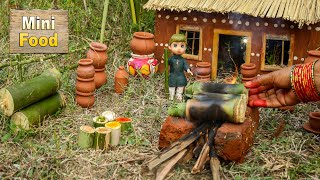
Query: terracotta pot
(85, 85)
(145, 64)
(202, 68)
(312, 56)
(98, 53)
(100, 77)
(205, 78)
(314, 123)
(121, 80)
(248, 70)
(244, 80)
(142, 43)
(85, 68)
(85, 100)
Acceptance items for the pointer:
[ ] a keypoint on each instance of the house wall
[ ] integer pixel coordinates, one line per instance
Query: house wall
(166, 22)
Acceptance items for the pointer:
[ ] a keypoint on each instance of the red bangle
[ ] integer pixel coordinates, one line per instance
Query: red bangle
(303, 83)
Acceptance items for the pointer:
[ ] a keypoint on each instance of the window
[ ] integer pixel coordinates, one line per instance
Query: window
(194, 41)
(276, 52)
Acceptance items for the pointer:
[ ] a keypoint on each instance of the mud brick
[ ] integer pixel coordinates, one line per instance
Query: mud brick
(173, 129)
(233, 141)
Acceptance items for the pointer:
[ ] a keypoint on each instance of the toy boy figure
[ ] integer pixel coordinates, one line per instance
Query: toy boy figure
(177, 78)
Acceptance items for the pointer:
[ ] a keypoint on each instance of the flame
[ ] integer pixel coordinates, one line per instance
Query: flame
(231, 79)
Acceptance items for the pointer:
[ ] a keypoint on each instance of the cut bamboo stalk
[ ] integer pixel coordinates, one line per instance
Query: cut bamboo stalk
(18, 96)
(166, 72)
(210, 109)
(99, 121)
(126, 124)
(34, 114)
(167, 166)
(211, 87)
(104, 19)
(86, 136)
(115, 128)
(102, 138)
(215, 168)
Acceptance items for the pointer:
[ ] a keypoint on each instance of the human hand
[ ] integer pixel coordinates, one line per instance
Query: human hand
(190, 72)
(272, 90)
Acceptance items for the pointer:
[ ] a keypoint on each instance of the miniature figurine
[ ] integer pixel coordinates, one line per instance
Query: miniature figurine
(177, 78)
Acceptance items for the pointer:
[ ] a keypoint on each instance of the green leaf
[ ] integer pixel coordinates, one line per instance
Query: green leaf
(6, 137)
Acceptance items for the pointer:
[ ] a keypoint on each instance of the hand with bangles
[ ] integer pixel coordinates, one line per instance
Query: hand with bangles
(286, 87)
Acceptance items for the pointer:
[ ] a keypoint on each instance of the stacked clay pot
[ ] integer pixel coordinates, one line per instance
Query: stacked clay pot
(121, 80)
(98, 53)
(203, 71)
(314, 123)
(248, 71)
(85, 85)
(312, 56)
(142, 59)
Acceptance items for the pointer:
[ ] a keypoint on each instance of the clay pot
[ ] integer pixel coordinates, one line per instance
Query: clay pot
(85, 85)
(121, 80)
(85, 100)
(98, 53)
(205, 78)
(244, 80)
(314, 123)
(202, 68)
(142, 43)
(248, 70)
(85, 68)
(147, 65)
(100, 77)
(312, 56)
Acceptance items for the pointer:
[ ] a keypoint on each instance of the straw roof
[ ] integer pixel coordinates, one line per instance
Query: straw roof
(299, 11)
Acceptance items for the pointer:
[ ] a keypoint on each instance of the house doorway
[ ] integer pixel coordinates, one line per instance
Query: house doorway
(230, 50)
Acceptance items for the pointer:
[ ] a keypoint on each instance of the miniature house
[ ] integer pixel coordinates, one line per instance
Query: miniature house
(227, 33)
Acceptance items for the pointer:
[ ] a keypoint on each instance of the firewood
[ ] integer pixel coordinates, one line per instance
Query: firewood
(169, 164)
(215, 168)
(199, 145)
(178, 146)
(202, 159)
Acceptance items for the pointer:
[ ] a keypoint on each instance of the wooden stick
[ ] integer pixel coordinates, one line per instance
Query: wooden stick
(203, 158)
(215, 168)
(103, 24)
(166, 72)
(178, 146)
(133, 12)
(167, 166)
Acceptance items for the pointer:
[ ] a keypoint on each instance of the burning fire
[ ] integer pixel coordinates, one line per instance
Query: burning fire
(231, 79)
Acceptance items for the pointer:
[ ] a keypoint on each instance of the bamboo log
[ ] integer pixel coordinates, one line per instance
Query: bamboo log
(18, 96)
(209, 109)
(215, 168)
(115, 128)
(86, 136)
(104, 18)
(126, 124)
(102, 138)
(177, 110)
(211, 87)
(34, 114)
(99, 121)
(202, 159)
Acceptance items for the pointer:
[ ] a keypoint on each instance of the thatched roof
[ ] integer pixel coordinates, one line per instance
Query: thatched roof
(299, 11)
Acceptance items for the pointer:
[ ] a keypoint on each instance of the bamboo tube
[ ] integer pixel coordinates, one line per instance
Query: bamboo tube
(166, 72)
(177, 110)
(126, 124)
(207, 109)
(18, 96)
(102, 138)
(115, 128)
(34, 114)
(99, 121)
(86, 136)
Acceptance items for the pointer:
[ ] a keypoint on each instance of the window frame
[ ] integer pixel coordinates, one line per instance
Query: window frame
(285, 37)
(196, 29)
(215, 46)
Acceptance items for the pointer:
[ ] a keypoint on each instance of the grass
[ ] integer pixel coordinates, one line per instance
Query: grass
(51, 151)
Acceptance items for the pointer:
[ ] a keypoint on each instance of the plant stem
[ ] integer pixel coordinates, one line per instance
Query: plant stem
(104, 18)
(133, 12)
(166, 75)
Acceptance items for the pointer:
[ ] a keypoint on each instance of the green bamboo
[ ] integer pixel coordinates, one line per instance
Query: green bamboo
(86, 136)
(166, 71)
(34, 114)
(18, 96)
(177, 110)
(102, 138)
(133, 12)
(104, 18)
